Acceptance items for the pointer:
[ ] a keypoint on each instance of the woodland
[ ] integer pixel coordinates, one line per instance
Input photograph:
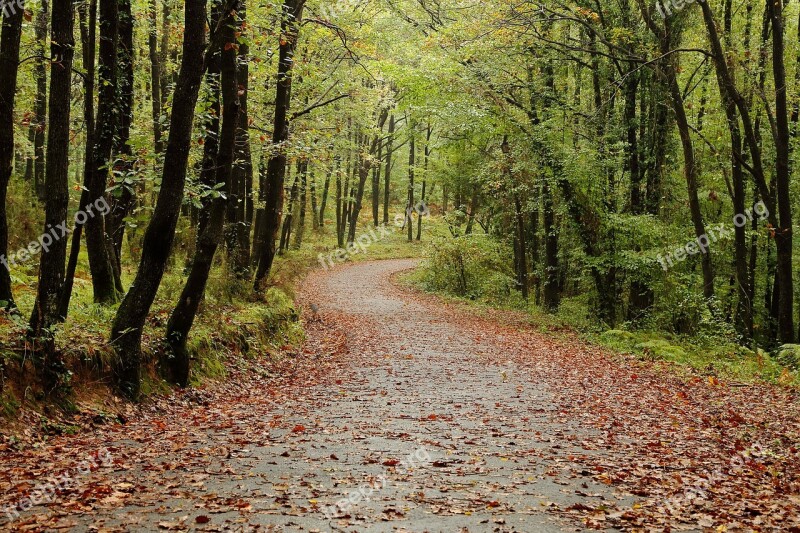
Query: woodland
(399, 265)
(169, 169)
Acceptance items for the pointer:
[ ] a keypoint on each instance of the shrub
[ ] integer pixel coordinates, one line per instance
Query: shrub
(474, 267)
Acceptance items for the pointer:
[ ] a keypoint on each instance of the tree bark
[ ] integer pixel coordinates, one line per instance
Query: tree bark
(387, 176)
(51, 270)
(126, 333)
(123, 198)
(276, 168)
(103, 279)
(88, 31)
(183, 316)
(155, 77)
(9, 65)
(240, 192)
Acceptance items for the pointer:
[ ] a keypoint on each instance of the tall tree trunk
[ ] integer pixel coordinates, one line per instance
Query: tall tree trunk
(155, 77)
(376, 187)
(552, 294)
(364, 169)
(51, 271)
(9, 66)
(208, 172)
(667, 70)
(412, 161)
(88, 30)
(123, 199)
(183, 316)
(325, 193)
(40, 106)
(339, 209)
(276, 168)
(239, 199)
(301, 222)
(424, 197)
(387, 176)
(103, 279)
(286, 230)
(126, 333)
(314, 211)
(784, 232)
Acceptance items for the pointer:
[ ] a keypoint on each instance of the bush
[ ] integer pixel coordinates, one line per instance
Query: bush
(474, 267)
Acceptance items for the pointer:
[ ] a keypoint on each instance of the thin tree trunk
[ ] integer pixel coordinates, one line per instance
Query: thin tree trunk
(301, 222)
(238, 238)
(387, 176)
(784, 232)
(326, 193)
(51, 271)
(40, 106)
(9, 67)
(423, 198)
(88, 31)
(124, 198)
(103, 279)
(155, 77)
(276, 168)
(313, 184)
(183, 316)
(126, 333)
(363, 174)
(412, 161)
(552, 294)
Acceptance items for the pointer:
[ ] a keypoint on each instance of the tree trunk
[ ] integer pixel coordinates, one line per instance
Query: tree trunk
(40, 106)
(123, 199)
(9, 66)
(363, 174)
(784, 232)
(51, 270)
(412, 161)
(183, 316)
(301, 222)
(276, 168)
(88, 30)
(103, 280)
(423, 198)
(314, 211)
(155, 77)
(552, 295)
(126, 333)
(387, 176)
(239, 199)
(286, 230)
(325, 193)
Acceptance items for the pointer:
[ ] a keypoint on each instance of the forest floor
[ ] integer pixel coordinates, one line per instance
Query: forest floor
(403, 412)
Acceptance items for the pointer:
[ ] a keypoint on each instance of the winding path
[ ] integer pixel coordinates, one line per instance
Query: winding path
(404, 413)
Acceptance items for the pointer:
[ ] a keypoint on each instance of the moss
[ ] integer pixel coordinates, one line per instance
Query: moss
(661, 349)
(618, 339)
(789, 355)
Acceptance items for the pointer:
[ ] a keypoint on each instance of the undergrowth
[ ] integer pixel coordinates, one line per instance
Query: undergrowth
(475, 270)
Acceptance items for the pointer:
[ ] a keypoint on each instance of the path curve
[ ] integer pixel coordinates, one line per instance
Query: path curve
(405, 413)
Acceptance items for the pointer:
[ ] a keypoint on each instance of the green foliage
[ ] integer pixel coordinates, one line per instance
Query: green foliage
(471, 266)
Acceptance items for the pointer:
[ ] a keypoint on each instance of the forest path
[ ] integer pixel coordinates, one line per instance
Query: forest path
(405, 413)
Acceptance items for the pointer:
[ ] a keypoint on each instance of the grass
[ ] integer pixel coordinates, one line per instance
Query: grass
(709, 354)
(234, 326)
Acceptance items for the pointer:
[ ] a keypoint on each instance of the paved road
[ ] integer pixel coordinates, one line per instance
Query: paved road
(397, 415)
